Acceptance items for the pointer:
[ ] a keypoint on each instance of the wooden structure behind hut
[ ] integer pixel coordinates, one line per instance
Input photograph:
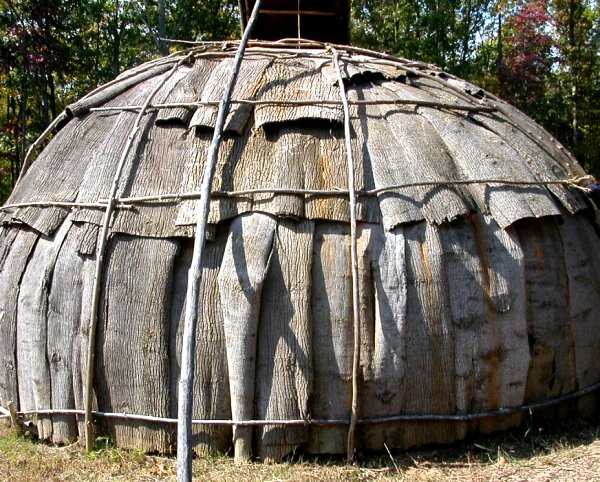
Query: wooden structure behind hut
(322, 20)
(478, 266)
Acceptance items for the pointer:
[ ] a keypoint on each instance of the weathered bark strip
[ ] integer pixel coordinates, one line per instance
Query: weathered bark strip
(581, 249)
(64, 312)
(552, 369)
(543, 165)
(211, 384)
(11, 271)
(296, 80)
(103, 160)
(250, 79)
(545, 160)
(284, 352)
(33, 368)
(504, 277)
(243, 271)
(290, 154)
(159, 168)
(187, 90)
(7, 238)
(80, 345)
(486, 291)
(385, 356)
(479, 153)
(133, 339)
(102, 96)
(405, 148)
(332, 336)
(430, 383)
(58, 172)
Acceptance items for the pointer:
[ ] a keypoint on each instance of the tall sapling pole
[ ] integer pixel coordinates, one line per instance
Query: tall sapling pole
(186, 380)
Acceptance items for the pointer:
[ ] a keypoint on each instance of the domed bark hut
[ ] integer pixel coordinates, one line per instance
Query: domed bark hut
(476, 255)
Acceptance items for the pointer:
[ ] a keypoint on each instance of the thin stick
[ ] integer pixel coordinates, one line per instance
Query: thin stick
(354, 261)
(16, 424)
(128, 202)
(424, 417)
(91, 354)
(415, 102)
(54, 204)
(28, 161)
(186, 380)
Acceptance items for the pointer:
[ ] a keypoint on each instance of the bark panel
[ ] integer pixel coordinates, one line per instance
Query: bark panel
(284, 353)
(133, 340)
(11, 271)
(33, 368)
(243, 271)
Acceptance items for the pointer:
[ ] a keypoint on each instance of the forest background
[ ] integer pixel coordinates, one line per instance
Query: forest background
(543, 56)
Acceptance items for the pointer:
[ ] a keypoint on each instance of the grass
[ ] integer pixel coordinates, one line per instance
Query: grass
(566, 451)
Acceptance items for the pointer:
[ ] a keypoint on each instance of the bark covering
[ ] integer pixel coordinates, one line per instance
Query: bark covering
(472, 297)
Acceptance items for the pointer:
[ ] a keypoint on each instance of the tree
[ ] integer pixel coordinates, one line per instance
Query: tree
(443, 32)
(54, 51)
(526, 62)
(33, 59)
(577, 91)
(188, 20)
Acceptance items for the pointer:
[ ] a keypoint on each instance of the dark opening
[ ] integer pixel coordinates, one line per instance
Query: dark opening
(321, 20)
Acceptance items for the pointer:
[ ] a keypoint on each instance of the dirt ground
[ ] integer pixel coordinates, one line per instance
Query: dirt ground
(565, 451)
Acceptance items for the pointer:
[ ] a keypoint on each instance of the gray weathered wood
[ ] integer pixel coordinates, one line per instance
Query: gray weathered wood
(472, 296)
(356, 319)
(284, 344)
(241, 278)
(487, 296)
(11, 271)
(106, 94)
(545, 161)
(295, 79)
(132, 362)
(480, 153)
(250, 81)
(63, 318)
(119, 170)
(102, 161)
(211, 382)
(385, 358)
(581, 248)
(33, 370)
(80, 344)
(178, 89)
(58, 173)
(502, 257)
(429, 384)
(405, 148)
(332, 336)
(552, 370)
(186, 379)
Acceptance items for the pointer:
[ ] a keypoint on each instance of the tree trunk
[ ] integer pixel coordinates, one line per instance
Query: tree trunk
(574, 61)
(115, 60)
(162, 29)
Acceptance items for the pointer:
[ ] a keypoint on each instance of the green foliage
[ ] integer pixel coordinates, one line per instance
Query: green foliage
(55, 51)
(443, 32)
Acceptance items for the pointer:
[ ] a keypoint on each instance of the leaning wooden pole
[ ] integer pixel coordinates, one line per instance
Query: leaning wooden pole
(186, 380)
(354, 261)
(100, 253)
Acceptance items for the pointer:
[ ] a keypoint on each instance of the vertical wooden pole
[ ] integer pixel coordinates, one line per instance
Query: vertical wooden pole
(100, 252)
(186, 379)
(354, 261)
(14, 418)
